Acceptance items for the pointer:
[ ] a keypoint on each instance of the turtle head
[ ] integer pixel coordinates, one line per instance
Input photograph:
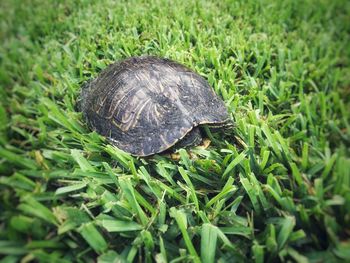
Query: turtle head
(228, 124)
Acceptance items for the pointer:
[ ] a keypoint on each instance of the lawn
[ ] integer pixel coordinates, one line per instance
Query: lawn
(275, 188)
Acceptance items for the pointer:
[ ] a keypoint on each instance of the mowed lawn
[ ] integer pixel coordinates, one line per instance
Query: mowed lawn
(273, 188)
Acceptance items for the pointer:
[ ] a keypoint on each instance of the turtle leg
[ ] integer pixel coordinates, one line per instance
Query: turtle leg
(82, 96)
(192, 138)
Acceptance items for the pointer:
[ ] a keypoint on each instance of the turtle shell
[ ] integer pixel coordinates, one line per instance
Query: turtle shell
(144, 105)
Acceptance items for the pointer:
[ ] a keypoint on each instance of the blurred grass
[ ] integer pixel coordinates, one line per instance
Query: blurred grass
(274, 189)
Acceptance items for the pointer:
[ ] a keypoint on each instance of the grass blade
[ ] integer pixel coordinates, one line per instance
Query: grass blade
(93, 237)
(208, 243)
(119, 226)
(181, 220)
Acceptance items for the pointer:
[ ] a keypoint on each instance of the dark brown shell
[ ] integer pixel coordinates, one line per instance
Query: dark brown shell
(144, 105)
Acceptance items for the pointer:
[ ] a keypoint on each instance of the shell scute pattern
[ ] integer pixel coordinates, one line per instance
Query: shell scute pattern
(144, 105)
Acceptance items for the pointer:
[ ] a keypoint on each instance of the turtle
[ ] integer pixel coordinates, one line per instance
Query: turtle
(146, 105)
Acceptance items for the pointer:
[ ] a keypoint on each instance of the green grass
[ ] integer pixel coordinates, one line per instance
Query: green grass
(276, 188)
